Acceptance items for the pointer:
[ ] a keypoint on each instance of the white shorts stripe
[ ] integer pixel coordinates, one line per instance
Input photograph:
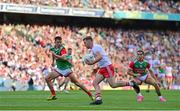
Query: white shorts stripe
(64, 73)
(143, 78)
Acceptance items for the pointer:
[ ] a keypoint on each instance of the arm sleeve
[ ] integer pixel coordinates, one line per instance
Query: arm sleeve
(148, 66)
(63, 51)
(131, 65)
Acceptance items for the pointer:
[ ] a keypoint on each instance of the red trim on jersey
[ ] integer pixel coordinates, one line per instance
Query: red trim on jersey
(148, 66)
(131, 65)
(63, 51)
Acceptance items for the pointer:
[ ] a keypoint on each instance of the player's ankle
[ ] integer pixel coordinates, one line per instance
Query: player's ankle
(160, 97)
(130, 83)
(89, 93)
(98, 98)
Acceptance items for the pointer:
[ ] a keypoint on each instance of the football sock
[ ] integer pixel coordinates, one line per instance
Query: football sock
(139, 94)
(53, 92)
(89, 93)
(98, 96)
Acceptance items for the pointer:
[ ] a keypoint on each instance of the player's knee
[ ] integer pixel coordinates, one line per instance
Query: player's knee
(48, 79)
(155, 84)
(112, 85)
(77, 83)
(95, 84)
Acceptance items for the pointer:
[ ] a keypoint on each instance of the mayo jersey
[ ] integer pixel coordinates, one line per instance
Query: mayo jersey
(139, 67)
(61, 63)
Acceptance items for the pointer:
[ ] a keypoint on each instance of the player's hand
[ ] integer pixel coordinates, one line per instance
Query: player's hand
(137, 75)
(95, 70)
(64, 57)
(54, 55)
(53, 64)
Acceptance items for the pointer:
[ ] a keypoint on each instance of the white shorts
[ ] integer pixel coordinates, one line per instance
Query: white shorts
(64, 73)
(143, 78)
(161, 75)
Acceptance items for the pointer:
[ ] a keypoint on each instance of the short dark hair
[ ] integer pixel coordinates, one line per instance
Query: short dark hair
(69, 48)
(57, 38)
(88, 38)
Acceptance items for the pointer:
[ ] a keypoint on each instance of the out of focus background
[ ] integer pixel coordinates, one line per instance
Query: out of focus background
(28, 27)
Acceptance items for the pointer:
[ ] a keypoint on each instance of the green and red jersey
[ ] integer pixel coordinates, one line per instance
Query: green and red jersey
(61, 63)
(162, 68)
(139, 67)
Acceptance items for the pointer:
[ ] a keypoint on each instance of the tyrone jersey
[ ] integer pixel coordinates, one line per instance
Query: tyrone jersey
(139, 67)
(61, 63)
(105, 61)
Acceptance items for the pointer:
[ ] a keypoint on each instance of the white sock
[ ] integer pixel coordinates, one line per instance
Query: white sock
(139, 94)
(98, 98)
(160, 97)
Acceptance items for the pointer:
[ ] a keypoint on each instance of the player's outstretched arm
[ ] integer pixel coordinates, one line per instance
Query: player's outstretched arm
(58, 56)
(131, 73)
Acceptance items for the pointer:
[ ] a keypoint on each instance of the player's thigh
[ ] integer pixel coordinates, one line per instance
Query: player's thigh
(52, 75)
(111, 80)
(171, 79)
(73, 78)
(98, 79)
(137, 81)
(60, 80)
(150, 80)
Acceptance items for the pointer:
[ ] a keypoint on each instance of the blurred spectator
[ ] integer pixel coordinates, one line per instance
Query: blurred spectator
(24, 49)
(30, 84)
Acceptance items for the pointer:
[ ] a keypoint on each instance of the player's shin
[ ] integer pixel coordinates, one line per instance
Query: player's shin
(85, 90)
(50, 85)
(157, 89)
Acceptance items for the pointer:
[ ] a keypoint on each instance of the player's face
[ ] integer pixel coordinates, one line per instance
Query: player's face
(69, 52)
(58, 43)
(140, 57)
(88, 43)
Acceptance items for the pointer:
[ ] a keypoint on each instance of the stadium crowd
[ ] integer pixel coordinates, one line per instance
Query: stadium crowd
(24, 51)
(166, 6)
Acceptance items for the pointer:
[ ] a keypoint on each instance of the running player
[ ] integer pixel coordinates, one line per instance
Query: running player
(162, 74)
(63, 68)
(106, 69)
(169, 76)
(138, 69)
(66, 79)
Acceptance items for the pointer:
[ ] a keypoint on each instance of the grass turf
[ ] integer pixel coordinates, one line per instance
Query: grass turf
(78, 100)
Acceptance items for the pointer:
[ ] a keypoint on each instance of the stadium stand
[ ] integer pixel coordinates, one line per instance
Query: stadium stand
(166, 6)
(24, 48)
(25, 37)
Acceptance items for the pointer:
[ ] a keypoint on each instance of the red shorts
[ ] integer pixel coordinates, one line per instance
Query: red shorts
(170, 77)
(107, 71)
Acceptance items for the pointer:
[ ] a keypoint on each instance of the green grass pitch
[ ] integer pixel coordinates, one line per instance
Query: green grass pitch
(78, 100)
